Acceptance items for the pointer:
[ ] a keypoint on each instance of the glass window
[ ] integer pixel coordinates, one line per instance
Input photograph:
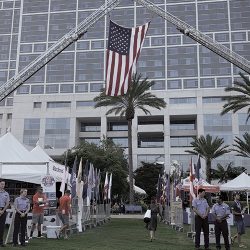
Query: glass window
(184, 160)
(81, 88)
(90, 127)
(57, 132)
(212, 99)
(150, 142)
(85, 104)
(66, 88)
(117, 126)
(184, 100)
(23, 89)
(174, 84)
(159, 85)
(58, 104)
(190, 83)
(181, 141)
(37, 89)
(207, 83)
(183, 125)
(37, 105)
(95, 141)
(52, 88)
(9, 102)
(120, 141)
(2, 103)
(224, 82)
(96, 87)
(9, 116)
(31, 131)
(149, 159)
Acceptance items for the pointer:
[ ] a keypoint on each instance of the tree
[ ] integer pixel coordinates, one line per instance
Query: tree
(137, 97)
(107, 157)
(242, 146)
(209, 149)
(146, 177)
(240, 101)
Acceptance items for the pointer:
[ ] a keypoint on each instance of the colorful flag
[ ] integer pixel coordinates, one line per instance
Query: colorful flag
(159, 188)
(79, 179)
(91, 181)
(110, 186)
(197, 168)
(73, 179)
(106, 187)
(85, 180)
(124, 46)
(192, 178)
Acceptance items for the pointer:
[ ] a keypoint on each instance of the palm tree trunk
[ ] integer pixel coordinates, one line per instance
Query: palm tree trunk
(208, 170)
(130, 163)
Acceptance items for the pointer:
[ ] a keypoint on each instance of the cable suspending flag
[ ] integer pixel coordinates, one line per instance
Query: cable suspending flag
(124, 46)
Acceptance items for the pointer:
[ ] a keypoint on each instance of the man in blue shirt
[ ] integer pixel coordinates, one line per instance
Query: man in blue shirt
(201, 210)
(221, 212)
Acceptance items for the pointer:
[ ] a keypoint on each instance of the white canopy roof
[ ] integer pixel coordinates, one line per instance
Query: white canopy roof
(17, 163)
(55, 169)
(240, 183)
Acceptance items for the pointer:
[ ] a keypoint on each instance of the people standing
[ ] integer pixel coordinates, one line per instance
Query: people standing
(22, 207)
(221, 211)
(39, 202)
(64, 213)
(152, 225)
(238, 212)
(4, 204)
(201, 210)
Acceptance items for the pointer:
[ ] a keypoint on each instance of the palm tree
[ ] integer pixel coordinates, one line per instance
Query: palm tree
(208, 149)
(240, 101)
(242, 146)
(223, 173)
(137, 97)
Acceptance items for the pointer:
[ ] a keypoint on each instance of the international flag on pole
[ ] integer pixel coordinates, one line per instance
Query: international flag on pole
(85, 180)
(124, 46)
(73, 179)
(110, 186)
(106, 187)
(79, 179)
(97, 188)
(197, 168)
(159, 188)
(192, 178)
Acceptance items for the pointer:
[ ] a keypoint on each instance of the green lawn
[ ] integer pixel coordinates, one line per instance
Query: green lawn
(122, 234)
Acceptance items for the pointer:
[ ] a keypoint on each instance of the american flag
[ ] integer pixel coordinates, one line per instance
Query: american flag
(124, 46)
(192, 178)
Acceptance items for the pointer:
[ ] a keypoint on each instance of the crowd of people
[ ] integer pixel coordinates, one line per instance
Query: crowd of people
(22, 206)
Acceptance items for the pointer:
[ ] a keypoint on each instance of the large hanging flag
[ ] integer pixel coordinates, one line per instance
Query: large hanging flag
(73, 179)
(79, 180)
(106, 187)
(197, 168)
(85, 180)
(97, 189)
(192, 178)
(110, 186)
(124, 46)
(91, 181)
(65, 174)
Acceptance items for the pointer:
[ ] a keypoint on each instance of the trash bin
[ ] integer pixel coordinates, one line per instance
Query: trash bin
(52, 231)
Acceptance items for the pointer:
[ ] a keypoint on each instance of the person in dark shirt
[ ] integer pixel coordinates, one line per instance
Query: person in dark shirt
(238, 212)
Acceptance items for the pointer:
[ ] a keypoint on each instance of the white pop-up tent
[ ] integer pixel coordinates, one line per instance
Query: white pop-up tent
(240, 183)
(55, 169)
(17, 163)
(139, 190)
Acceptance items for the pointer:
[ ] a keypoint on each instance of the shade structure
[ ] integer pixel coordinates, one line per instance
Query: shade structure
(240, 183)
(199, 184)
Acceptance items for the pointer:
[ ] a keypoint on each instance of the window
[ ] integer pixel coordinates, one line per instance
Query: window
(9, 116)
(9, 102)
(117, 126)
(90, 127)
(57, 132)
(183, 125)
(95, 141)
(53, 88)
(174, 84)
(37, 105)
(81, 88)
(37, 89)
(181, 141)
(149, 159)
(212, 99)
(31, 131)
(150, 141)
(207, 83)
(184, 100)
(190, 83)
(66, 88)
(58, 104)
(24, 89)
(120, 141)
(85, 104)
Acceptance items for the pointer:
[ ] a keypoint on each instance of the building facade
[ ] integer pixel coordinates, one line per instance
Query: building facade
(55, 106)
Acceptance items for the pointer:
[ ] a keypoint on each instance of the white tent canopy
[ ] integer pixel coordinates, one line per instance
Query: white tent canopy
(55, 169)
(17, 163)
(240, 183)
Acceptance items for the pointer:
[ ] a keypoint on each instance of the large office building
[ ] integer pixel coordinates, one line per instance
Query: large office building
(55, 106)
